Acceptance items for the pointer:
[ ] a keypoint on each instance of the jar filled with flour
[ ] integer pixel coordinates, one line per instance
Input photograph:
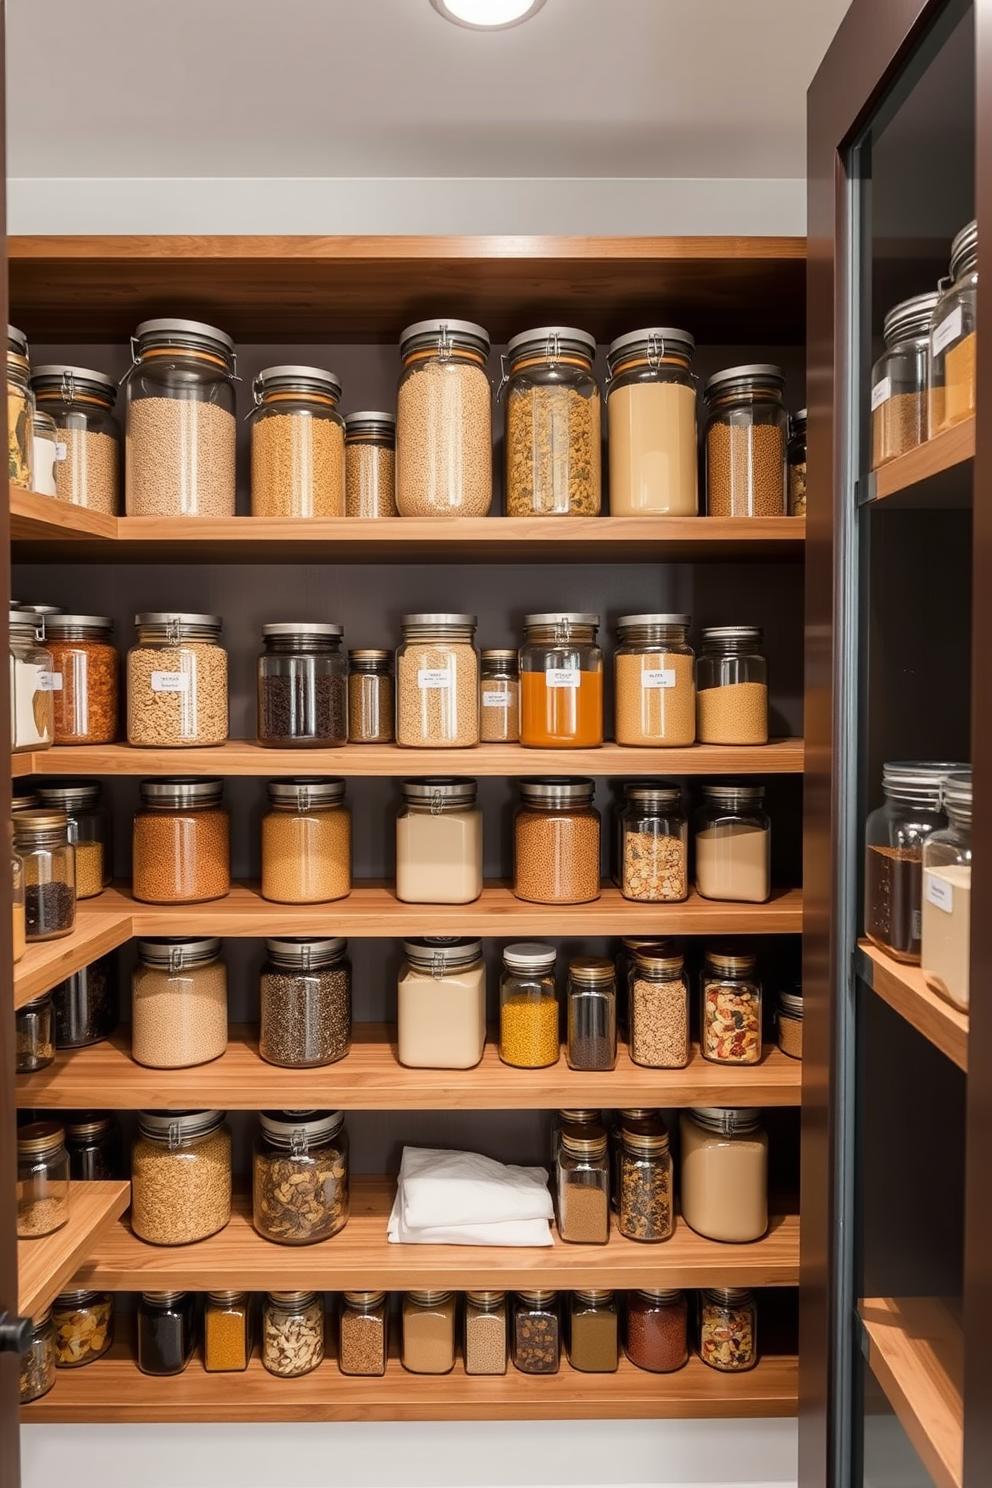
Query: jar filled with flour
(733, 837)
(651, 416)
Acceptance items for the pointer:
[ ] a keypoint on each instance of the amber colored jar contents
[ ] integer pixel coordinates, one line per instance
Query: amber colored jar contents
(561, 682)
(226, 1332)
(306, 842)
(593, 1346)
(556, 842)
(657, 1332)
(181, 850)
(83, 658)
(429, 1332)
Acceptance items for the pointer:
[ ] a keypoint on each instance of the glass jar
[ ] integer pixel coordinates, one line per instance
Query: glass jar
(437, 682)
(300, 1176)
(485, 1346)
(728, 1329)
(730, 1018)
(18, 923)
(371, 697)
(583, 1182)
(42, 1179)
(900, 380)
(733, 844)
(178, 1003)
(444, 421)
(363, 1333)
(953, 337)
(44, 453)
(659, 1008)
(89, 831)
(441, 1004)
(732, 686)
(305, 1003)
(86, 1009)
(500, 698)
(657, 1334)
(945, 946)
(85, 666)
(37, 1366)
(292, 1333)
(651, 410)
(180, 1176)
(553, 416)
(176, 682)
(655, 682)
(88, 457)
(655, 851)
(84, 1327)
(528, 1007)
(20, 411)
(723, 1173)
(591, 1004)
(797, 464)
(645, 1204)
(439, 842)
(578, 1116)
(180, 423)
(633, 1118)
(181, 851)
(297, 444)
(302, 687)
(747, 431)
(166, 1331)
(370, 465)
(428, 1334)
(226, 1332)
(789, 1020)
(594, 1333)
(306, 841)
(894, 836)
(32, 683)
(536, 1336)
(93, 1142)
(556, 833)
(561, 682)
(41, 838)
(34, 1046)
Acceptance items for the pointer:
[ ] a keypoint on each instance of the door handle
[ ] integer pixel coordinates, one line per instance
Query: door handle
(15, 1333)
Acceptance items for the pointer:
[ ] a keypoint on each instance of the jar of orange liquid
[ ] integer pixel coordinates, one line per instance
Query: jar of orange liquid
(561, 682)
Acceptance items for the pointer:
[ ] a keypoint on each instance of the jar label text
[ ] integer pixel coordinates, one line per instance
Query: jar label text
(49, 681)
(881, 393)
(949, 331)
(170, 682)
(658, 677)
(495, 699)
(562, 677)
(434, 677)
(940, 893)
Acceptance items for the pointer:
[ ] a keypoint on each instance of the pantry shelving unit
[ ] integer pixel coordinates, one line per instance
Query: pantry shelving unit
(46, 1265)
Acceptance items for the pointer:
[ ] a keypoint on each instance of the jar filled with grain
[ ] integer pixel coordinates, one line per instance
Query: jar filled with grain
(36, 1374)
(659, 1008)
(180, 422)
(797, 464)
(226, 1332)
(953, 338)
(733, 843)
(84, 1327)
(732, 686)
(89, 831)
(88, 458)
(306, 841)
(20, 411)
(371, 697)
(556, 834)
(657, 1331)
(292, 1333)
(444, 421)
(655, 681)
(728, 1329)
(900, 380)
(594, 1332)
(485, 1343)
(305, 1003)
(302, 687)
(86, 666)
(34, 1045)
(181, 846)
(178, 1003)
(895, 833)
(500, 697)
(591, 1007)
(86, 1005)
(651, 409)
(166, 1332)
(654, 848)
(553, 417)
(41, 839)
(747, 430)
(441, 1004)
(300, 1176)
(44, 453)
(723, 1173)
(561, 682)
(789, 1020)
(646, 1200)
(437, 680)
(180, 1176)
(363, 1333)
(945, 936)
(176, 682)
(297, 444)
(730, 1018)
(93, 1142)
(583, 1184)
(42, 1179)
(428, 1332)
(536, 1333)
(18, 930)
(370, 465)
(528, 1007)
(32, 683)
(439, 842)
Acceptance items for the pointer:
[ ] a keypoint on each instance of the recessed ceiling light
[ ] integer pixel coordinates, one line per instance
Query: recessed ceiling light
(487, 15)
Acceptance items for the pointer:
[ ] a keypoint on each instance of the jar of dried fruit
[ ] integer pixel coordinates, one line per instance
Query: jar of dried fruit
(728, 1329)
(84, 1327)
(651, 406)
(89, 831)
(86, 666)
(553, 417)
(654, 844)
(181, 851)
(536, 1333)
(176, 682)
(292, 1333)
(437, 682)
(659, 1008)
(300, 1176)
(180, 1176)
(900, 380)
(732, 686)
(305, 1003)
(556, 858)
(561, 682)
(42, 1179)
(37, 1366)
(306, 841)
(88, 458)
(297, 444)
(747, 431)
(41, 838)
(953, 337)
(655, 704)
(178, 1003)
(645, 1205)
(730, 1024)
(444, 421)
(20, 411)
(370, 465)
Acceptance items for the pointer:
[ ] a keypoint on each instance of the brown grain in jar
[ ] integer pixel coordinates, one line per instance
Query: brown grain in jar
(306, 842)
(370, 465)
(371, 697)
(297, 444)
(747, 431)
(88, 456)
(176, 681)
(181, 846)
(556, 842)
(180, 1176)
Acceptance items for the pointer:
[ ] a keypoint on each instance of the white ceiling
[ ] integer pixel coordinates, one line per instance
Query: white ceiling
(372, 88)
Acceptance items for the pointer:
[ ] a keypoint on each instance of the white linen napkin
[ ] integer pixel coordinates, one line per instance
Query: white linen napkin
(508, 1232)
(439, 1189)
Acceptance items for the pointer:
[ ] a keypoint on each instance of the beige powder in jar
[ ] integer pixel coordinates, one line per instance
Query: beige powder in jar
(649, 715)
(659, 1022)
(184, 1195)
(369, 481)
(179, 459)
(734, 714)
(733, 861)
(297, 466)
(177, 718)
(89, 473)
(431, 716)
(500, 710)
(178, 1018)
(306, 856)
(444, 458)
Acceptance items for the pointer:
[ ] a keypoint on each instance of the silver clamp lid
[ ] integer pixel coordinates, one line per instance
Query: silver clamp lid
(441, 954)
(304, 952)
(306, 791)
(448, 334)
(178, 953)
(314, 628)
(656, 342)
(751, 374)
(728, 1121)
(440, 791)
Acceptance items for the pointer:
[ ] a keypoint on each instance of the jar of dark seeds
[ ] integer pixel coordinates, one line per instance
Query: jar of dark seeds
(300, 1172)
(166, 1331)
(536, 1335)
(37, 1367)
(33, 1044)
(302, 687)
(305, 1003)
(93, 1142)
(371, 697)
(42, 1179)
(646, 1210)
(86, 1005)
(591, 1006)
(42, 840)
(583, 1181)
(89, 831)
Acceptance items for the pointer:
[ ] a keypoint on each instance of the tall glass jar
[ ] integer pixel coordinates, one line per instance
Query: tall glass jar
(297, 444)
(34, 1045)
(363, 1333)
(528, 1007)
(370, 465)
(44, 454)
(89, 831)
(226, 1332)
(371, 697)
(728, 1329)
(536, 1333)
(657, 1330)
(178, 1003)
(945, 947)
(747, 431)
(166, 1332)
(659, 1008)
(181, 847)
(441, 1004)
(646, 1201)
(292, 1333)
(84, 1327)
(654, 853)
(86, 666)
(651, 409)
(306, 841)
(176, 682)
(723, 1173)
(733, 844)
(500, 698)
(93, 1142)
(797, 464)
(900, 380)
(439, 842)
(561, 682)
(20, 411)
(428, 1333)
(953, 332)
(556, 834)
(437, 681)
(591, 1007)
(32, 684)
(86, 1005)
(655, 682)
(42, 1179)
(553, 416)
(88, 462)
(180, 423)
(894, 836)
(37, 1366)
(18, 928)
(305, 1012)
(730, 1018)
(302, 687)
(732, 686)
(300, 1176)
(485, 1340)
(444, 421)
(41, 838)
(180, 1176)
(594, 1332)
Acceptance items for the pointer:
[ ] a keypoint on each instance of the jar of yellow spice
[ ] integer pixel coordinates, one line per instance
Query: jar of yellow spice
(89, 831)
(226, 1332)
(528, 1007)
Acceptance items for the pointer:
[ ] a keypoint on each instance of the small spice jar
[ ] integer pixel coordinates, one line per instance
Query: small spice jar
(654, 850)
(732, 686)
(439, 842)
(42, 1179)
(363, 1332)
(556, 832)
(32, 683)
(88, 456)
(37, 1366)
(594, 1332)
(895, 833)
(89, 831)
(631, 1118)
(441, 1004)
(583, 1182)
(181, 846)
(658, 1015)
(34, 1045)
(444, 421)
(180, 1176)
(591, 1004)
(723, 1173)
(428, 1332)
(584, 1116)
(561, 682)
(370, 465)
(371, 697)
(651, 410)
(176, 682)
(85, 666)
(44, 453)
(178, 1003)
(797, 464)
(528, 1007)
(306, 841)
(747, 430)
(536, 1333)
(945, 942)
(728, 1329)
(18, 930)
(93, 1142)
(300, 1182)
(20, 411)
(86, 1005)
(305, 1003)
(730, 1021)
(657, 1330)
(292, 1333)
(166, 1331)
(297, 444)
(42, 841)
(226, 1332)
(655, 682)
(733, 844)
(83, 1322)
(953, 337)
(485, 1345)
(645, 1205)
(789, 1020)
(437, 681)
(499, 693)
(900, 380)
(553, 418)
(302, 687)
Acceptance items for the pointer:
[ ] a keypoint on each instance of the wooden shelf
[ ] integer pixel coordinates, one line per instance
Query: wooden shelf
(99, 928)
(46, 1265)
(916, 1351)
(905, 990)
(36, 518)
(935, 473)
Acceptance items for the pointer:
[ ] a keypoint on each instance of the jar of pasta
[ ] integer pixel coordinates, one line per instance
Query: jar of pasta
(178, 1003)
(88, 457)
(444, 421)
(654, 849)
(900, 380)
(85, 667)
(655, 704)
(371, 697)
(651, 410)
(556, 835)
(370, 465)
(180, 1176)
(953, 332)
(306, 841)
(20, 411)
(302, 686)
(297, 444)
(89, 831)
(732, 686)
(747, 431)
(730, 1024)
(181, 845)
(437, 682)
(176, 682)
(553, 419)
(561, 682)
(500, 698)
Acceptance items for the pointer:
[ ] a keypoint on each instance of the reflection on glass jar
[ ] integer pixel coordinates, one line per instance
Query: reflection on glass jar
(88, 456)
(370, 465)
(444, 421)
(945, 947)
(42, 1179)
(86, 665)
(302, 687)
(895, 833)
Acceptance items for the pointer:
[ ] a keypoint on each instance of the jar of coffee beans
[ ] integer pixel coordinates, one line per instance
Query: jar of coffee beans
(305, 1003)
(297, 444)
(444, 421)
(300, 1176)
(180, 1176)
(176, 682)
(747, 433)
(41, 838)
(306, 842)
(181, 851)
(302, 687)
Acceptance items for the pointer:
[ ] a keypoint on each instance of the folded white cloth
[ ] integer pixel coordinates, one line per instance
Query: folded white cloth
(509, 1232)
(439, 1189)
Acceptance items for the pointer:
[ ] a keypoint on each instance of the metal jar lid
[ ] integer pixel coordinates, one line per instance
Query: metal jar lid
(24, 801)
(732, 793)
(637, 1113)
(68, 382)
(181, 790)
(162, 1299)
(598, 1297)
(562, 617)
(664, 1298)
(715, 634)
(428, 1299)
(663, 960)
(64, 627)
(553, 341)
(292, 1299)
(446, 333)
(196, 334)
(529, 955)
(486, 1299)
(226, 1299)
(300, 1128)
(319, 631)
(728, 1296)
(40, 1138)
(654, 793)
(17, 341)
(729, 959)
(790, 1002)
(918, 782)
(78, 1298)
(439, 791)
(557, 790)
(646, 1138)
(538, 1298)
(369, 659)
(175, 623)
(364, 1299)
(964, 249)
(500, 653)
(910, 318)
(304, 953)
(35, 1005)
(71, 795)
(178, 952)
(955, 795)
(728, 1121)
(306, 791)
(44, 425)
(651, 622)
(82, 1125)
(439, 954)
(750, 375)
(26, 620)
(370, 421)
(654, 342)
(296, 379)
(174, 1127)
(587, 1117)
(422, 620)
(27, 824)
(584, 1141)
(591, 970)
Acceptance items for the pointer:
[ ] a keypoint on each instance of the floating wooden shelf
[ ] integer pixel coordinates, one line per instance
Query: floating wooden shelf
(43, 519)
(916, 1352)
(905, 990)
(99, 928)
(46, 1265)
(935, 473)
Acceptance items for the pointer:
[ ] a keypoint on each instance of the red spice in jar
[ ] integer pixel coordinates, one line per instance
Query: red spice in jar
(657, 1330)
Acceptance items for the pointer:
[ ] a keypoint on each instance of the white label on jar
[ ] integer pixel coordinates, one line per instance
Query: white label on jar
(659, 677)
(940, 893)
(170, 682)
(495, 699)
(434, 677)
(948, 331)
(61, 449)
(881, 393)
(562, 676)
(49, 681)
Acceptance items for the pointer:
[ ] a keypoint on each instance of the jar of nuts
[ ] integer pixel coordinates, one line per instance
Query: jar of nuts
(292, 1333)
(646, 1200)
(444, 421)
(89, 831)
(88, 463)
(84, 1327)
(176, 682)
(654, 851)
(728, 1329)
(181, 851)
(305, 1003)
(180, 1176)
(370, 465)
(85, 659)
(659, 1008)
(306, 841)
(747, 433)
(730, 1027)
(556, 842)
(297, 444)
(437, 682)
(300, 1176)
(178, 1003)
(553, 414)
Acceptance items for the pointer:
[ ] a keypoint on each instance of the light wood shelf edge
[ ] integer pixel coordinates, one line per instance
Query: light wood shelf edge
(905, 990)
(916, 1351)
(942, 452)
(97, 931)
(46, 1264)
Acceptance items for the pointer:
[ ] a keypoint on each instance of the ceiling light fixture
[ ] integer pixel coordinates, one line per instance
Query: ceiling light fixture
(487, 15)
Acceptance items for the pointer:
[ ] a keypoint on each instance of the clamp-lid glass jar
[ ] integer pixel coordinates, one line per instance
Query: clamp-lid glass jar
(371, 697)
(297, 443)
(88, 459)
(953, 330)
(561, 682)
(176, 682)
(657, 1330)
(654, 852)
(305, 1018)
(302, 687)
(292, 1333)
(441, 1004)
(723, 1173)
(166, 1331)
(528, 1006)
(428, 1332)
(84, 1327)
(89, 831)
(728, 1329)
(180, 1176)
(18, 932)
(536, 1335)
(42, 1179)
(180, 423)
(797, 464)
(20, 411)
(556, 832)
(93, 1141)
(733, 843)
(32, 683)
(444, 421)
(594, 1332)
(439, 842)
(900, 380)
(747, 431)
(659, 1008)
(553, 417)
(41, 839)
(500, 697)
(300, 1176)
(34, 1045)
(732, 686)
(894, 836)
(370, 465)
(591, 1008)
(37, 1366)
(86, 666)
(44, 453)
(178, 1003)
(651, 411)
(730, 1022)
(655, 681)
(789, 1020)
(363, 1333)
(306, 841)
(485, 1342)
(945, 945)
(437, 681)
(226, 1332)
(181, 847)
